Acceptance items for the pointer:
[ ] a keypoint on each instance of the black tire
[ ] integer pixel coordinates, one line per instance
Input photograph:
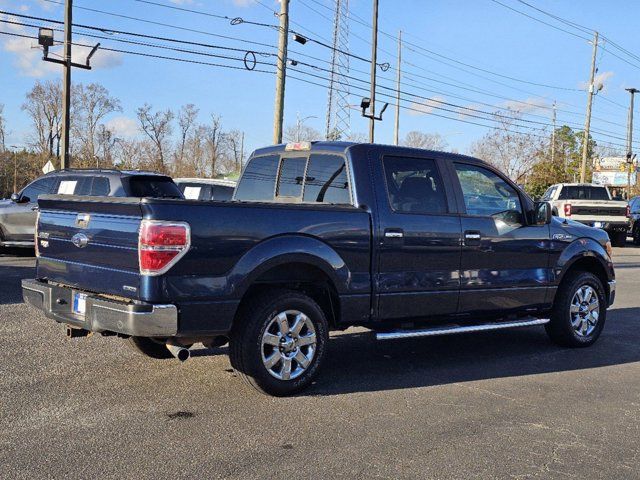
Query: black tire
(560, 329)
(247, 349)
(636, 235)
(618, 239)
(150, 347)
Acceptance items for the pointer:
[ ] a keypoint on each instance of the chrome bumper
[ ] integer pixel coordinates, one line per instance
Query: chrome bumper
(612, 292)
(101, 315)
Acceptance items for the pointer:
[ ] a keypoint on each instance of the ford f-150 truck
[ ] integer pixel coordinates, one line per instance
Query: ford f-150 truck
(591, 205)
(321, 237)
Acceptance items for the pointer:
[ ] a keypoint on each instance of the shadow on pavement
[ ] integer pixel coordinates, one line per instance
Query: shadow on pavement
(10, 285)
(358, 363)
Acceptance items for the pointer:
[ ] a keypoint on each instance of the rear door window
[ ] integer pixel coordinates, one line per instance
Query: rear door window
(414, 185)
(326, 180)
(258, 181)
(153, 186)
(100, 187)
(220, 192)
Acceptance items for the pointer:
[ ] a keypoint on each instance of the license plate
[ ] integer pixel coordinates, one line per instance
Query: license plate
(79, 303)
(598, 224)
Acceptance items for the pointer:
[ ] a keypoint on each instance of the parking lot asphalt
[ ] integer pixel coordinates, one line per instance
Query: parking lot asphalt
(496, 405)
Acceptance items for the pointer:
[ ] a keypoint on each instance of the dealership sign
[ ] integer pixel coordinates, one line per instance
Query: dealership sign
(615, 179)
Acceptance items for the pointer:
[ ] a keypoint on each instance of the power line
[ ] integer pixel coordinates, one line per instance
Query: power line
(143, 54)
(107, 30)
(177, 27)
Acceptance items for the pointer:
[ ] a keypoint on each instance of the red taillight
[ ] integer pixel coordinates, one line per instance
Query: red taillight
(567, 209)
(161, 245)
(628, 211)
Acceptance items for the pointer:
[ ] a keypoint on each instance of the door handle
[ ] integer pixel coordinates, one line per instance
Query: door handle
(33, 209)
(393, 233)
(472, 238)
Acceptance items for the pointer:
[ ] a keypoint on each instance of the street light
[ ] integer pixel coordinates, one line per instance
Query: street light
(299, 122)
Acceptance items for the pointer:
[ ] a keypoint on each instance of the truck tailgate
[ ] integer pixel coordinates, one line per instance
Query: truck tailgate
(90, 243)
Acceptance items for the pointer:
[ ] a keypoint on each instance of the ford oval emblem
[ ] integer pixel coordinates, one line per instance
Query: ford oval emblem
(80, 240)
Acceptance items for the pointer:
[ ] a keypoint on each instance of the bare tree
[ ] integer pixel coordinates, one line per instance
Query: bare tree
(235, 144)
(513, 151)
(186, 122)
(215, 139)
(44, 106)
(301, 133)
(91, 104)
(428, 141)
(156, 126)
(2, 129)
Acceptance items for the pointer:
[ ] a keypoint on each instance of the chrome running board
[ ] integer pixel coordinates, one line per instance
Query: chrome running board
(450, 330)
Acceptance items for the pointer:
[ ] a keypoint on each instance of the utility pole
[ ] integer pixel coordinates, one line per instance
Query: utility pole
(587, 123)
(281, 74)
(553, 134)
(396, 134)
(632, 91)
(65, 162)
(374, 62)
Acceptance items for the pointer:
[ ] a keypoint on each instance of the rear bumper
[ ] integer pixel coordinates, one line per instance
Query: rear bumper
(101, 315)
(610, 226)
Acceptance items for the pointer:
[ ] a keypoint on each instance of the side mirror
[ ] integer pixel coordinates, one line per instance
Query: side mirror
(15, 198)
(542, 213)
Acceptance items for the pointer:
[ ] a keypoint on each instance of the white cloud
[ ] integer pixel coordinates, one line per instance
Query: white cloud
(243, 3)
(527, 105)
(28, 56)
(425, 106)
(101, 59)
(599, 79)
(123, 126)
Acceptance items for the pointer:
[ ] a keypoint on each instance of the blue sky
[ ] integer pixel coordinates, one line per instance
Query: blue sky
(479, 33)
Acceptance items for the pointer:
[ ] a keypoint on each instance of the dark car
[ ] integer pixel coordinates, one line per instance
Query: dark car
(320, 237)
(634, 217)
(206, 188)
(18, 215)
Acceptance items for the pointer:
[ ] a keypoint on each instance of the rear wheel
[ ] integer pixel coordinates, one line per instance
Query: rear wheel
(278, 342)
(579, 311)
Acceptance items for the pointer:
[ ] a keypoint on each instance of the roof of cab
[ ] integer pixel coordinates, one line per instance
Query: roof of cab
(102, 171)
(342, 147)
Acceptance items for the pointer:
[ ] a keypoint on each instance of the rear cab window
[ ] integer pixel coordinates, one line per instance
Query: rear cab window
(311, 179)
(583, 192)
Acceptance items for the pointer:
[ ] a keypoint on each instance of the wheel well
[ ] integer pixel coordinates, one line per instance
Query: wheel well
(591, 265)
(309, 279)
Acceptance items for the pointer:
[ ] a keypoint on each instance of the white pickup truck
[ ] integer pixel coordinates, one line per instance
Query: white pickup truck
(591, 205)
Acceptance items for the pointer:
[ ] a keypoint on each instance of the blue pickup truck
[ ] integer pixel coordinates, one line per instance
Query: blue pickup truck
(318, 237)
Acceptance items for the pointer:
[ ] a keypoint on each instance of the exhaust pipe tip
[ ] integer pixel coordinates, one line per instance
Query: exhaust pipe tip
(178, 351)
(71, 332)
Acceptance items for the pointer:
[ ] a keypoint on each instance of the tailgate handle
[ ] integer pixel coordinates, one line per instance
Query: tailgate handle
(393, 233)
(472, 238)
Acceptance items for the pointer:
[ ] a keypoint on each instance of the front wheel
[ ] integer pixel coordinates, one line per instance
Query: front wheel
(278, 342)
(579, 311)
